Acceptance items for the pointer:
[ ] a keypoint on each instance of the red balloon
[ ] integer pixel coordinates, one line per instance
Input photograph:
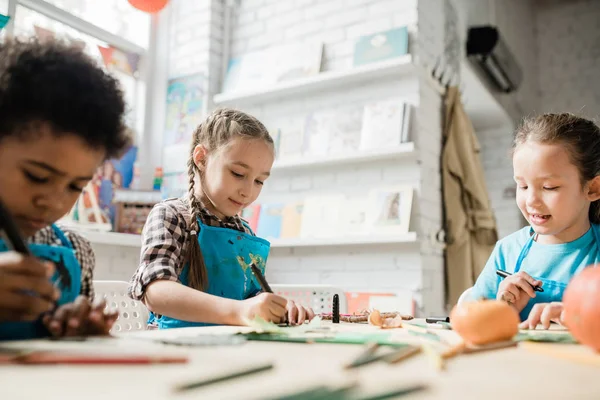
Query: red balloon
(149, 6)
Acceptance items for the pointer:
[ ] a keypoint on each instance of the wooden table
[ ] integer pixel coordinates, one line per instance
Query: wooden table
(513, 373)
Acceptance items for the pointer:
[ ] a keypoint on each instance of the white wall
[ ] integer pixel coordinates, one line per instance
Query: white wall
(569, 54)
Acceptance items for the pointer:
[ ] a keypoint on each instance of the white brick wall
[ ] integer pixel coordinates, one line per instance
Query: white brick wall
(569, 56)
(337, 23)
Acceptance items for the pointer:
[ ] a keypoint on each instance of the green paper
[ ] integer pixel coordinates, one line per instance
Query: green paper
(338, 338)
(545, 336)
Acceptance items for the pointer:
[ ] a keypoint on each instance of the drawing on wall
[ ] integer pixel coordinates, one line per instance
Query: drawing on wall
(185, 108)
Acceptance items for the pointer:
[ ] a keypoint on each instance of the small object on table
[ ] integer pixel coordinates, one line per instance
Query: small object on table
(225, 377)
(54, 357)
(365, 357)
(364, 317)
(435, 320)
(336, 309)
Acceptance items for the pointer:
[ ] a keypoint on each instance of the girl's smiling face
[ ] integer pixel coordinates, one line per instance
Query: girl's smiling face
(550, 194)
(233, 176)
(42, 174)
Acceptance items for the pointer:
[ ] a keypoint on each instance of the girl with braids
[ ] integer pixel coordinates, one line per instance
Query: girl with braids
(194, 268)
(556, 164)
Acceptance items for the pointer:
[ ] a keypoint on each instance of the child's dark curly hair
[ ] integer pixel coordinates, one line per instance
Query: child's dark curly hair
(56, 83)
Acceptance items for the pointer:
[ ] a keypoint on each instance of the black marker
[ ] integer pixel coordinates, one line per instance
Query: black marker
(12, 235)
(505, 274)
(11, 232)
(261, 279)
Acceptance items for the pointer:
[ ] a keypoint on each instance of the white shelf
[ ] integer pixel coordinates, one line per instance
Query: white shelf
(130, 240)
(401, 151)
(324, 81)
(410, 237)
(113, 238)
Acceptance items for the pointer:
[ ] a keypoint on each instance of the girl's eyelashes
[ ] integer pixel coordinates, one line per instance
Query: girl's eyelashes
(75, 188)
(34, 178)
(551, 188)
(241, 176)
(39, 180)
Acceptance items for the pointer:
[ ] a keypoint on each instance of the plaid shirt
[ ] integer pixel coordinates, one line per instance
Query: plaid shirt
(165, 241)
(83, 253)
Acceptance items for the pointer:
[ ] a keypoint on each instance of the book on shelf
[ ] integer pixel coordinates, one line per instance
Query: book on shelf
(291, 223)
(317, 128)
(382, 124)
(269, 221)
(259, 69)
(353, 221)
(381, 46)
(389, 209)
(251, 215)
(289, 137)
(321, 216)
(344, 134)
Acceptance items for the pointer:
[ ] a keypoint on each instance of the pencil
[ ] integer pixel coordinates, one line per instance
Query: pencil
(222, 378)
(505, 274)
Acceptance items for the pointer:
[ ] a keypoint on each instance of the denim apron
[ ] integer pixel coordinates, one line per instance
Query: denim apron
(553, 290)
(227, 255)
(64, 260)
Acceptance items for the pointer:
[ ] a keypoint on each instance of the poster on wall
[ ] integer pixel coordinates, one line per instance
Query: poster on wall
(112, 175)
(185, 108)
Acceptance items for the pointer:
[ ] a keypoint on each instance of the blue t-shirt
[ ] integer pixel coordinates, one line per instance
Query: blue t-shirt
(553, 264)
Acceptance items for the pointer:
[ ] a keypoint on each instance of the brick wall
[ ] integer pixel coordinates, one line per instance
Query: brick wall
(569, 52)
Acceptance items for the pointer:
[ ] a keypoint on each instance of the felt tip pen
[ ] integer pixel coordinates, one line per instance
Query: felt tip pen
(505, 274)
(261, 279)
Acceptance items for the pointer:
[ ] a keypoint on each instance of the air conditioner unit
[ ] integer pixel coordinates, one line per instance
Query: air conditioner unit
(486, 48)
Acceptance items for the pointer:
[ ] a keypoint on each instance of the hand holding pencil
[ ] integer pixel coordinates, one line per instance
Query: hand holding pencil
(517, 289)
(293, 313)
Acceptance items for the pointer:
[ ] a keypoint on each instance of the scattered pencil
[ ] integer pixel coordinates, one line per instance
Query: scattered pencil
(222, 378)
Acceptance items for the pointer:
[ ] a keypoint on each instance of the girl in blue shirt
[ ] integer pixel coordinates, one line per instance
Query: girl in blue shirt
(556, 163)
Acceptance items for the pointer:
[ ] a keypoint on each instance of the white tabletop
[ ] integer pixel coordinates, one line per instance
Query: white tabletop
(511, 373)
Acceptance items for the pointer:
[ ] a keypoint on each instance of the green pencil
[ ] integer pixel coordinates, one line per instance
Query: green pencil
(222, 378)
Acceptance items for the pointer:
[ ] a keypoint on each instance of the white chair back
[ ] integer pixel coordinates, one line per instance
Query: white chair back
(318, 297)
(133, 314)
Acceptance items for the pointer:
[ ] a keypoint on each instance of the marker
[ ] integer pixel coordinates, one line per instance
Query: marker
(11, 232)
(505, 274)
(261, 279)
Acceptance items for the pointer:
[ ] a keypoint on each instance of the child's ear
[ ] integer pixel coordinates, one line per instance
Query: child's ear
(593, 189)
(199, 156)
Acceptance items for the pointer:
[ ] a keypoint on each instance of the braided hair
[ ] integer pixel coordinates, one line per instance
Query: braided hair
(216, 131)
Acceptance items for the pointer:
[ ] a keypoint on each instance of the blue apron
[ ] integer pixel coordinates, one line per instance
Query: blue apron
(64, 259)
(227, 255)
(553, 290)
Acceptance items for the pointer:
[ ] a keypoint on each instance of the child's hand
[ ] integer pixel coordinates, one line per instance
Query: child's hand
(80, 318)
(297, 314)
(517, 290)
(25, 288)
(268, 306)
(544, 313)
